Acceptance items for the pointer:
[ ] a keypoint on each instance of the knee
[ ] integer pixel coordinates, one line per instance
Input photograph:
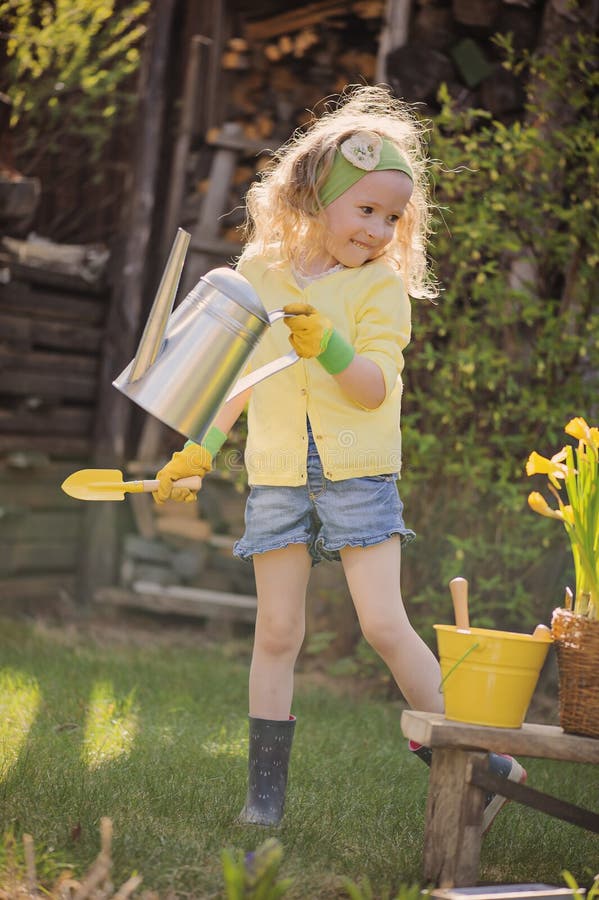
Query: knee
(383, 636)
(279, 638)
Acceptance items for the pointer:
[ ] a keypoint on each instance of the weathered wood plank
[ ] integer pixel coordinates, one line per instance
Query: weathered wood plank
(58, 446)
(23, 331)
(51, 385)
(295, 19)
(55, 420)
(20, 298)
(33, 495)
(38, 526)
(39, 472)
(552, 806)
(454, 814)
(544, 741)
(36, 587)
(37, 556)
(181, 601)
(45, 361)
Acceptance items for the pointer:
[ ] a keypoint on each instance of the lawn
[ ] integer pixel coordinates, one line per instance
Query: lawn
(152, 734)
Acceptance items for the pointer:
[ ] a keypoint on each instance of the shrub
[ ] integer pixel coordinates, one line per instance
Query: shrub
(506, 356)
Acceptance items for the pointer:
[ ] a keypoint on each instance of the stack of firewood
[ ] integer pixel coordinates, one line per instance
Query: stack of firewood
(280, 67)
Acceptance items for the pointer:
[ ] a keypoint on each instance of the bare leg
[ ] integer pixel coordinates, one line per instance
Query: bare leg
(373, 577)
(281, 582)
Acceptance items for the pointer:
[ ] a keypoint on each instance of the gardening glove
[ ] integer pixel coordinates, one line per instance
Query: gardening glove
(193, 459)
(313, 336)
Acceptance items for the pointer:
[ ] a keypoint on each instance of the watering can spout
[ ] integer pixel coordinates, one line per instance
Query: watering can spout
(152, 337)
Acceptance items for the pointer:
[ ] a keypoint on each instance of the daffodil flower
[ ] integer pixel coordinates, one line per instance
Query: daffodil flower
(538, 503)
(578, 428)
(575, 472)
(540, 465)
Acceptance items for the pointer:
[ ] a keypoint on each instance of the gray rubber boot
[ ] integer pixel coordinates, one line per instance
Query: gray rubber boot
(268, 763)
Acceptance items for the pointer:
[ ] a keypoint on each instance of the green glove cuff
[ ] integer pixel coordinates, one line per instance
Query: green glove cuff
(213, 441)
(337, 355)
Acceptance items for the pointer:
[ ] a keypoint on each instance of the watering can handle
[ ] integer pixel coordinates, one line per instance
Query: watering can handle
(271, 368)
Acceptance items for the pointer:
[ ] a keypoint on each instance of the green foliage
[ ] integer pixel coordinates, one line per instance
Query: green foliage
(505, 357)
(69, 68)
(572, 883)
(363, 891)
(50, 866)
(252, 876)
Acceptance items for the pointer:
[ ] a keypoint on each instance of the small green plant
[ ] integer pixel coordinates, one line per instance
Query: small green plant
(252, 876)
(363, 891)
(592, 892)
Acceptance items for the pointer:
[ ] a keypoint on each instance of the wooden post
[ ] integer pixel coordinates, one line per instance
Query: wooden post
(195, 64)
(394, 34)
(214, 203)
(453, 834)
(99, 551)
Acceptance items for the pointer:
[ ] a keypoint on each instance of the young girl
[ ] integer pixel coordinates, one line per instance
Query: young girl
(337, 233)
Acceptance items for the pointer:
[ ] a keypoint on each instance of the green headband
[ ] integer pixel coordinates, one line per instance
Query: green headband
(363, 152)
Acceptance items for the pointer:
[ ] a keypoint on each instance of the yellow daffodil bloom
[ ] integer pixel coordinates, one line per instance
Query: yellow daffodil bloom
(578, 428)
(538, 503)
(540, 465)
(573, 474)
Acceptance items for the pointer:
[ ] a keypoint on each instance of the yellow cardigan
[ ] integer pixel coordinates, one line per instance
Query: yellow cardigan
(371, 309)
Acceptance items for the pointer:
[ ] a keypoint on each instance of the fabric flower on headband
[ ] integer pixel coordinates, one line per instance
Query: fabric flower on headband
(363, 150)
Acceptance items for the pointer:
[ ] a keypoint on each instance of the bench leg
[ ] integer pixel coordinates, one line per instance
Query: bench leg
(454, 814)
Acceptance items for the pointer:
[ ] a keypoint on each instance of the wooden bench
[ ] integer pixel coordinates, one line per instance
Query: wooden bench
(460, 779)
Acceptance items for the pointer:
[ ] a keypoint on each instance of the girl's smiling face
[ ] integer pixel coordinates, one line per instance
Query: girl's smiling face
(361, 222)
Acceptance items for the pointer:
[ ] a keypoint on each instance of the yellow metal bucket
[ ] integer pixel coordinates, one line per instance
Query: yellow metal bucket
(489, 676)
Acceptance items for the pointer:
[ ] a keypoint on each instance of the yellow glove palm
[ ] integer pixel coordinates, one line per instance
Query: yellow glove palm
(310, 330)
(192, 460)
(313, 335)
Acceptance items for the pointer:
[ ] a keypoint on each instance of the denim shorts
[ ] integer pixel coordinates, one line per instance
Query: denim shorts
(325, 515)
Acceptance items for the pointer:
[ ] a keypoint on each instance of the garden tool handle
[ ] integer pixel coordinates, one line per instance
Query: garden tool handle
(148, 486)
(459, 595)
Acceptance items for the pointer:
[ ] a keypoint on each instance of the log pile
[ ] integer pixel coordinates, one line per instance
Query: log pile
(277, 68)
(51, 326)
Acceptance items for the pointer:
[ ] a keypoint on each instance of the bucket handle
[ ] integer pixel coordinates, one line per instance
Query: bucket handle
(456, 664)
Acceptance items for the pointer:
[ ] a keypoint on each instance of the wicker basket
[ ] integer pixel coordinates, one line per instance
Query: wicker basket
(576, 640)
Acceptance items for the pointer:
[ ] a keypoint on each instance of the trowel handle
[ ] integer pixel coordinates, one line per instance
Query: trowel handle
(148, 486)
(459, 595)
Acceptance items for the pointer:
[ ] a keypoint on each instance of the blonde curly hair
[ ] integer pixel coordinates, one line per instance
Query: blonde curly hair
(283, 210)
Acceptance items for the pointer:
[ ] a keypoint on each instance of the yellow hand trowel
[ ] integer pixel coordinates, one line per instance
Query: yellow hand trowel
(108, 484)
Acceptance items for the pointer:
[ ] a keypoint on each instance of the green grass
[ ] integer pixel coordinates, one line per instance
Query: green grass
(154, 737)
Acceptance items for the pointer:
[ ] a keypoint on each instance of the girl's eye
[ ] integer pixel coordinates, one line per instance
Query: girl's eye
(366, 209)
(393, 220)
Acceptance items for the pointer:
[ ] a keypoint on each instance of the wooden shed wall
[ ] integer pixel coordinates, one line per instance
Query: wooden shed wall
(51, 340)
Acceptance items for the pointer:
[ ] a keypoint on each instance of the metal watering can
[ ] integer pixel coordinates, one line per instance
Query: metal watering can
(188, 363)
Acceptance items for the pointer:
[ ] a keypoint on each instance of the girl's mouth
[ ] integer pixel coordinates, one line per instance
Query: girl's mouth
(360, 245)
